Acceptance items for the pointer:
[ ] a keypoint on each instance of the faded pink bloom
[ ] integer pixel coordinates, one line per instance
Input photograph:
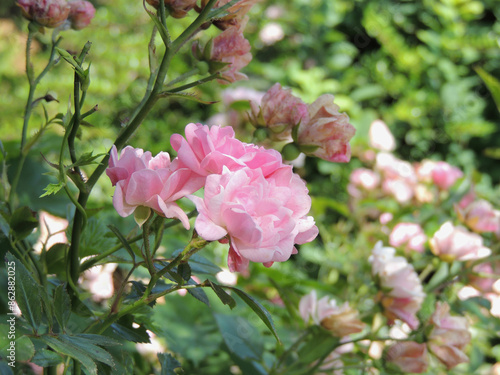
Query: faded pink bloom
(80, 14)
(207, 150)
(176, 8)
(381, 137)
(271, 33)
(362, 179)
(457, 243)
(262, 216)
(424, 170)
(279, 111)
(449, 337)
(445, 175)
(236, 15)
(399, 176)
(142, 180)
(98, 280)
(402, 294)
(339, 320)
(480, 216)
(467, 199)
(232, 48)
(385, 218)
(409, 235)
(409, 356)
(328, 129)
(48, 13)
(484, 283)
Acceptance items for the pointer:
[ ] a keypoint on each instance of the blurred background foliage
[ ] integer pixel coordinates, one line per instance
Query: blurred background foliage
(409, 63)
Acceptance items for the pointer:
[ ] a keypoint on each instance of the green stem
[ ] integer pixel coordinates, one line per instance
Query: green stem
(192, 84)
(145, 236)
(182, 77)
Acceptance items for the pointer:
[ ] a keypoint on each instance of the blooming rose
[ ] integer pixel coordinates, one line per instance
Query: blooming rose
(381, 137)
(402, 293)
(409, 356)
(328, 129)
(48, 13)
(80, 14)
(232, 48)
(444, 175)
(449, 336)
(457, 243)
(339, 320)
(409, 234)
(262, 216)
(207, 150)
(142, 180)
(479, 216)
(176, 8)
(279, 111)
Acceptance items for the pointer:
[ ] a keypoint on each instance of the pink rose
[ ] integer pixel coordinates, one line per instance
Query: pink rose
(207, 150)
(339, 320)
(236, 15)
(142, 180)
(449, 337)
(409, 356)
(48, 13)
(408, 234)
(328, 129)
(480, 216)
(279, 111)
(457, 243)
(362, 178)
(381, 137)
(481, 282)
(403, 293)
(399, 177)
(262, 216)
(80, 14)
(232, 48)
(444, 175)
(176, 8)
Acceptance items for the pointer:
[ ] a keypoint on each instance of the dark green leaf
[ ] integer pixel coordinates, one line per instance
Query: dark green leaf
(168, 364)
(124, 329)
(240, 336)
(27, 296)
(62, 306)
(98, 339)
(56, 259)
(86, 159)
(200, 264)
(200, 295)
(184, 271)
(261, 312)
(46, 358)
(23, 221)
(24, 349)
(225, 298)
(492, 83)
(87, 346)
(70, 350)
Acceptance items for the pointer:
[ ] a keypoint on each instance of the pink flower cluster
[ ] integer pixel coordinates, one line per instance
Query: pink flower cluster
(250, 196)
(53, 13)
(339, 320)
(402, 292)
(408, 235)
(322, 130)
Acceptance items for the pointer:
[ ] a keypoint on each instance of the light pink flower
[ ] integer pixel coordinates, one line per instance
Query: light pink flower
(339, 320)
(385, 218)
(480, 216)
(409, 235)
(484, 283)
(449, 337)
(236, 15)
(409, 356)
(328, 129)
(176, 8)
(279, 111)
(142, 180)
(207, 150)
(402, 294)
(381, 137)
(399, 177)
(232, 48)
(80, 14)
(424, 170)
(445, 175)
(457, 243)
(362, 179)
(48, 13)
(262, 216)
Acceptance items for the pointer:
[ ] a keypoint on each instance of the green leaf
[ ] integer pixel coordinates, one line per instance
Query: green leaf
(70, 350)
(62, 306)
(98, 339)
(168, 364)
(86, 159)
(440, 276)
(27, 296)
(124, 329)
(184, 271)
(189, 96)
(25, 349)
(55, 259)
(123, 240)
(492, 83)
(225, 298)
(51, 189)
(46, 358)
(199, 294)
(88, 346)
(200, 264)
(261, 312)
(70, 60)
(240, 336)
(23, 221)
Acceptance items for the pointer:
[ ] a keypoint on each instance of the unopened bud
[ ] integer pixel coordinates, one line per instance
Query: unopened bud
(290, 152)
(48, 13)
(81, 13)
